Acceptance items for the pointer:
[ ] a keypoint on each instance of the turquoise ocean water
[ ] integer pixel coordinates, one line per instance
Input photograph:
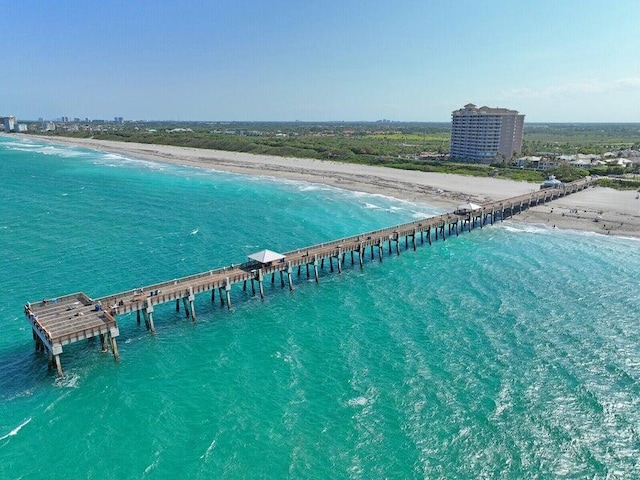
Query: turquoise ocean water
(510, 352)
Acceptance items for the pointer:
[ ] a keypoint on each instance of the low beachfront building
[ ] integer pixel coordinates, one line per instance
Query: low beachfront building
(621, 162)
(546, 164)
(580, 163)
(531, 161)
(539, 163)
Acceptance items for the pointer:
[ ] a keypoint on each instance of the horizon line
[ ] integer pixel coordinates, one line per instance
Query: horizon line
(379, 121)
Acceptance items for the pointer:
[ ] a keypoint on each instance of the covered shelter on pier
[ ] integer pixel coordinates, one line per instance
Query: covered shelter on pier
(467, 208)
(267, 257)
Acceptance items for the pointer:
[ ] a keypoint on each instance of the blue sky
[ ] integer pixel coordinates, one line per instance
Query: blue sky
(412, 60)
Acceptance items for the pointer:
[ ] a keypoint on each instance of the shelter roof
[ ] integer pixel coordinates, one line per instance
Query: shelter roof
(468, 207)
(266, 256)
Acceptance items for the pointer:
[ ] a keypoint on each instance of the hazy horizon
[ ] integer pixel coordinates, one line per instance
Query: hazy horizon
(313, 122)
(566, 62)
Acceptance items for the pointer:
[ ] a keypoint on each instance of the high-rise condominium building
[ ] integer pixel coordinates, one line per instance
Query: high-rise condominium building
(486, 135)
(9, 124)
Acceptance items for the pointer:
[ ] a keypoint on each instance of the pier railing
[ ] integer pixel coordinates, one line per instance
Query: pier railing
(367, 238)
(58, 321)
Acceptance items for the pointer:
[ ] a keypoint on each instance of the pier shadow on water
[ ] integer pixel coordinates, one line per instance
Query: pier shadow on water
(23, 370)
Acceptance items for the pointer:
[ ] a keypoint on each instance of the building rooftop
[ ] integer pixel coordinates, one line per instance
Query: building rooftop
(471, 109)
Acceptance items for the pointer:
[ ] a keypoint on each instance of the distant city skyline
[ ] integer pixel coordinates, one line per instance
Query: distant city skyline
(568, 61)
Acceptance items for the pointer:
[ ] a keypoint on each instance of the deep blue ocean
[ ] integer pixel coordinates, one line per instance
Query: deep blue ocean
(508, 352)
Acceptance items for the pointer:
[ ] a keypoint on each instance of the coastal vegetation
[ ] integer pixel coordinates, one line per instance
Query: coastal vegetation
(567, 173)
(619, 184)
(403, 145)
(586, 138)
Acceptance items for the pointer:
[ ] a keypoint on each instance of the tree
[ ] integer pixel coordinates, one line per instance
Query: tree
(567, 173)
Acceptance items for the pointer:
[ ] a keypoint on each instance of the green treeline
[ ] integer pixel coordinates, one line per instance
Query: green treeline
(619, 184)
(357, 149)
(389, 151)
(570, 138)
(409, 146)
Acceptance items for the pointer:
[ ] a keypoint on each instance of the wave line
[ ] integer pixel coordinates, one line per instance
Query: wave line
(16, 430)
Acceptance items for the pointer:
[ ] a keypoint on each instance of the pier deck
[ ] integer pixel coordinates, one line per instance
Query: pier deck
(68, 319)
(60, 321)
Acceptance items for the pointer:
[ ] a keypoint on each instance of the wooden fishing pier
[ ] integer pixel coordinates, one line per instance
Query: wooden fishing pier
(57, 322)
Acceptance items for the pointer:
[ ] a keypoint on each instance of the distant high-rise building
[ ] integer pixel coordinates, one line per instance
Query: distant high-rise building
(118, 120)
(486, 135)
(9, 124)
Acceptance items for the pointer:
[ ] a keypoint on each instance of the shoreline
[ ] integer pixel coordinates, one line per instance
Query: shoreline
(437, 189)
(600, 210)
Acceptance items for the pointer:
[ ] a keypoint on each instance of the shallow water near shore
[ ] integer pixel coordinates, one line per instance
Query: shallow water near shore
(509, 352)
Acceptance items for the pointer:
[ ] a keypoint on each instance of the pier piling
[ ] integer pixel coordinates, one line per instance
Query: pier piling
(227, 288)
(260, 277)
(289, 275)
(75, 317)
(192, 299)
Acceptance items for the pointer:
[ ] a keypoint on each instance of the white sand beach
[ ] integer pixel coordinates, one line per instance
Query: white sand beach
(601, 210)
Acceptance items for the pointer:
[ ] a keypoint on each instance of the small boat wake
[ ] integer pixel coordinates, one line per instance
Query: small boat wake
(15, 430)
(194, 231)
